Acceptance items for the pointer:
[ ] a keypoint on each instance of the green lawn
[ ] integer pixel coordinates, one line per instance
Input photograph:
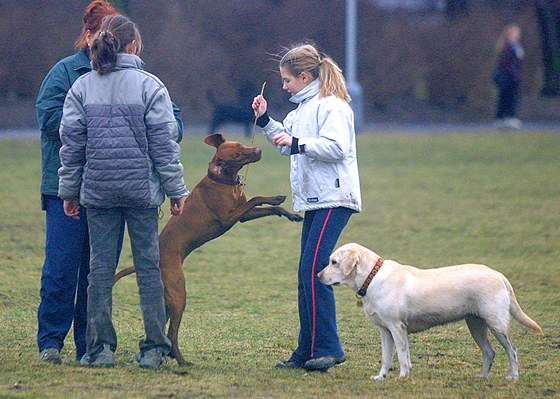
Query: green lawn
(429, 201)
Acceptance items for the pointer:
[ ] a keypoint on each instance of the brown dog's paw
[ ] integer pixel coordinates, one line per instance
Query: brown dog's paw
(277, 200)
(293, 217)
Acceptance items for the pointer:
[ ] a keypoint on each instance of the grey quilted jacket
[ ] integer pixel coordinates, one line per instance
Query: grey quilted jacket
(117, 134)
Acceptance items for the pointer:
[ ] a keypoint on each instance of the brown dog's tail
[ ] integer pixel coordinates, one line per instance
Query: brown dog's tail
(123, 273)
(518, 313)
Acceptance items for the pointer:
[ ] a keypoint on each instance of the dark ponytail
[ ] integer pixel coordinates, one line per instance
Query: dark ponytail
(104, 52)
(115, 34)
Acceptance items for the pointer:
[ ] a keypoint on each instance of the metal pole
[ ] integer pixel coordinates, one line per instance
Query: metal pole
(354, 88)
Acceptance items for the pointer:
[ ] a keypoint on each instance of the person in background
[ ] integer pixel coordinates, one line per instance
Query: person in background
(63, 295)
(119, 160)
(507, 77)
(319, 137)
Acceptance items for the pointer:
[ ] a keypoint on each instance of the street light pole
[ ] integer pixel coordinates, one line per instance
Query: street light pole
(354, 88)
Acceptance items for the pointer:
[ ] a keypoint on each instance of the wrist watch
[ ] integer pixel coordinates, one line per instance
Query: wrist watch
(302, 148)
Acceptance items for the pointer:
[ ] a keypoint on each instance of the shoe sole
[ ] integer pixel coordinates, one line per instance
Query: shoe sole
(146, 367)
(323, 368)
(292, 366)
(99, 363)
(52, 360)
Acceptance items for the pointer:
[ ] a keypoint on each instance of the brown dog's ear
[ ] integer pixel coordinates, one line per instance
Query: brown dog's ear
(353, 257)
(216, 168)
(215, 140)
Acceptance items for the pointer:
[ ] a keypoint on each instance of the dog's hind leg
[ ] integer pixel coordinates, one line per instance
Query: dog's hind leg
(503, 338)
(387, 348)
(479, 332)
(175, 302)
(175, 316)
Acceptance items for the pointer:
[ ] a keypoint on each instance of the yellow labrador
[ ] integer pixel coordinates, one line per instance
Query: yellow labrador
(403, 299)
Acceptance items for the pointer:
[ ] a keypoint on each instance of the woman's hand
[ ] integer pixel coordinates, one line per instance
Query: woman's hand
(177, 206)
(72, 208)
(282, 139)
(259, 105)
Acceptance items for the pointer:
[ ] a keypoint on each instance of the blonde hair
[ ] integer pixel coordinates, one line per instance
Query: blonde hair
(504, 36)
(306, 58)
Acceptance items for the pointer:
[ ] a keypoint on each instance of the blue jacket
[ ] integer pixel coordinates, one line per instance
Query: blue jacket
(118, 137)
(50, 101)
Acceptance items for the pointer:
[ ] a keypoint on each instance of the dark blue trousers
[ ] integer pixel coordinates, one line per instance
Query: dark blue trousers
(318, 334)
(64, 278)
(508, 98)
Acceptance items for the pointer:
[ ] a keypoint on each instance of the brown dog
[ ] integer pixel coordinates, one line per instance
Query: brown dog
(212, 208)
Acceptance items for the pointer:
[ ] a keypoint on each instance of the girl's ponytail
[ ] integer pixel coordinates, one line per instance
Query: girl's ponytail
(331, 80)
(104, 50)
(115, 34)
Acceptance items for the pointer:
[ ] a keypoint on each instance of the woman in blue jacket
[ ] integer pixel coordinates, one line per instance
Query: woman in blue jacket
(66, 266)
(320, 139)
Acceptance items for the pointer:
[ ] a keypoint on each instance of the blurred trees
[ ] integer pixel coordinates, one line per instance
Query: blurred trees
(548, 14)
(443, 60)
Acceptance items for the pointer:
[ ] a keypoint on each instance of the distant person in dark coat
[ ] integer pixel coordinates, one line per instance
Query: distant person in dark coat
(507, 76)
(239, 112)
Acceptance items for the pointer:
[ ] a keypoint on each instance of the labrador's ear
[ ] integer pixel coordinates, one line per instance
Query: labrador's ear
(351, 261)
(215, 140)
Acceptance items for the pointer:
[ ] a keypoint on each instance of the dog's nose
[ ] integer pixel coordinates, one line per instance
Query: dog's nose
(257, 153)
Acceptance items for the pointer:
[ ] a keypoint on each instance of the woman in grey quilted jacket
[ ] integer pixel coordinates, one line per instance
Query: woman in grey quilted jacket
(119, 160)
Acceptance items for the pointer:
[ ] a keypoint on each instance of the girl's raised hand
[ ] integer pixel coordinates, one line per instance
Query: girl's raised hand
(259, 105)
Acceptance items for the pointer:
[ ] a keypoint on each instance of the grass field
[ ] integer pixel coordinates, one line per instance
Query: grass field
(429, 200)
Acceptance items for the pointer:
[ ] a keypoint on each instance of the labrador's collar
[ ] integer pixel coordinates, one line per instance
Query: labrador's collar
(362, 291)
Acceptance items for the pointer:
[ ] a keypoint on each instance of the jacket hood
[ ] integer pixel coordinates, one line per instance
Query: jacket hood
(129, 61)
(308, 91)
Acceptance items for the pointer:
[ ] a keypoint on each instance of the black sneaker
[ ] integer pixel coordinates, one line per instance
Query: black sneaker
(323, 363)
(51, 355)
(288, 364)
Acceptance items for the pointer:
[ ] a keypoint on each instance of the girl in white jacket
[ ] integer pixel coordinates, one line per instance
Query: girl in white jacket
(319, 137)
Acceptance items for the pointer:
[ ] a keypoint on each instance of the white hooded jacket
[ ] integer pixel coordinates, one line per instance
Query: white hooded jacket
(326, 174)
